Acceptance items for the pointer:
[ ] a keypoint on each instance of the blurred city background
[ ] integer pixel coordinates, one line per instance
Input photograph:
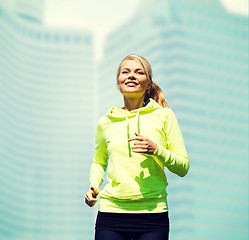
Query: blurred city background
(58, 61)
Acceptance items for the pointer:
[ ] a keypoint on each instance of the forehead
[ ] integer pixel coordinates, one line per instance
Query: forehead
(131, 64)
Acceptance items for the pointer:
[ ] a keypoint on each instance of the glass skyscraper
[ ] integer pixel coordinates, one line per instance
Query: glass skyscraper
(199, 57)
(46, 130)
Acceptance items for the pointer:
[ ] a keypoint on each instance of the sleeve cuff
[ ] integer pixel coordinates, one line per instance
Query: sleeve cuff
(162, 154)
(95, 184)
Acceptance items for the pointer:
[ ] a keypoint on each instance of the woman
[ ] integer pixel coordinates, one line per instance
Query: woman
(136, 142)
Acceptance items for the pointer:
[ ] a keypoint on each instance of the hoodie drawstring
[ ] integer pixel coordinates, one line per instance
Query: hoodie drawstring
(138, 122)
(128, 135)
(128, 129)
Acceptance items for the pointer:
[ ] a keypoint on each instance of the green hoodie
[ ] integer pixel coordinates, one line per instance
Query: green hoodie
(136, 181)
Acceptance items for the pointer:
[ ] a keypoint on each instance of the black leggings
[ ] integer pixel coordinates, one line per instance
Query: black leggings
(113, 235)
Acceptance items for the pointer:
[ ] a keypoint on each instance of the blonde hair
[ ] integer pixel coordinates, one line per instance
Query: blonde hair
(154, 92)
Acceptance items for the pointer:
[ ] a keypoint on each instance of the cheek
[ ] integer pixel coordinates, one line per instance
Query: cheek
(119, 84)
(119, 80)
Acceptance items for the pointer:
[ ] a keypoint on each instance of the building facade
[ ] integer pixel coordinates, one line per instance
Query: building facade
(46, 116)
(199, 57)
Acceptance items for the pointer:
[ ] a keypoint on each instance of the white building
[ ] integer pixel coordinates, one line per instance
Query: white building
(46, 116)
(199, 56)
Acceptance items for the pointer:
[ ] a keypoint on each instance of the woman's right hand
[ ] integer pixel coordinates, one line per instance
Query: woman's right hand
(91, 196)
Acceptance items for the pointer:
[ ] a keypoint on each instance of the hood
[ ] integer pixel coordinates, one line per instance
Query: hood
(118, 113)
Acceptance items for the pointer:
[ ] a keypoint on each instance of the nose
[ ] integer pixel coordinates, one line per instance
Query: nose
(131, 75)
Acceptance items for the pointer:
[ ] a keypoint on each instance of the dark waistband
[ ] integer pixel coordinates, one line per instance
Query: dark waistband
(133, 222)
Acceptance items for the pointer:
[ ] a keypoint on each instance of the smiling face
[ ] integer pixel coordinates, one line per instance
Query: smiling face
(132, 79)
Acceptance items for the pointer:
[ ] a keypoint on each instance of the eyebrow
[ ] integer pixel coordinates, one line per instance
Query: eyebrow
(135, 68)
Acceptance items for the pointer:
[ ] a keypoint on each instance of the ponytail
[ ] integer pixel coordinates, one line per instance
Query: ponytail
(156, 93)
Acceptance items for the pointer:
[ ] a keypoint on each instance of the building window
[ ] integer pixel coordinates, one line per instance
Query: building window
(47, 37)
(67, 38)
(57, 38)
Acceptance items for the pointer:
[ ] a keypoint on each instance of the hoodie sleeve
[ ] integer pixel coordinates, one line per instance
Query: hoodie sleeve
(99, 163)
(175, 157)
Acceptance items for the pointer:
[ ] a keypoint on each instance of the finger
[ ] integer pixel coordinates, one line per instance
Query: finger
(86, 197)
(140, 135)
(87, 201)
(138, 146)
(137, 138)
(94, 191)
(91, 196)
(149, 149)
(140, 150)
(132, 139)
(90, 202)
(146, 151)
(141, 143)
(91, 199)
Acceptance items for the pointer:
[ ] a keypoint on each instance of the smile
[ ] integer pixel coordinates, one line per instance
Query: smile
(131, 84)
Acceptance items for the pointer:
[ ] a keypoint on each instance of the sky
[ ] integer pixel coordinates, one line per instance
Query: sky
(97, 15)
(102, 17)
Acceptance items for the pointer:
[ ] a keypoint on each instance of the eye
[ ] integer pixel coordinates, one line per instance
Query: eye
(124, 72)
(141, 73)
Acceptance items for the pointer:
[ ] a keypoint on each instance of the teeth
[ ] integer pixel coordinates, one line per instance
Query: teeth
(131, 83)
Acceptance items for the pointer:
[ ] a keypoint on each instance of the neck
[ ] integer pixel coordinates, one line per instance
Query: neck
(133, 103)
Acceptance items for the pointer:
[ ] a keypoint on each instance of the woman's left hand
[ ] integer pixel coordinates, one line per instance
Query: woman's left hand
(143, 144)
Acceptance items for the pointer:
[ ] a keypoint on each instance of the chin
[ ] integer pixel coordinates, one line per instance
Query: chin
(132, 94)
